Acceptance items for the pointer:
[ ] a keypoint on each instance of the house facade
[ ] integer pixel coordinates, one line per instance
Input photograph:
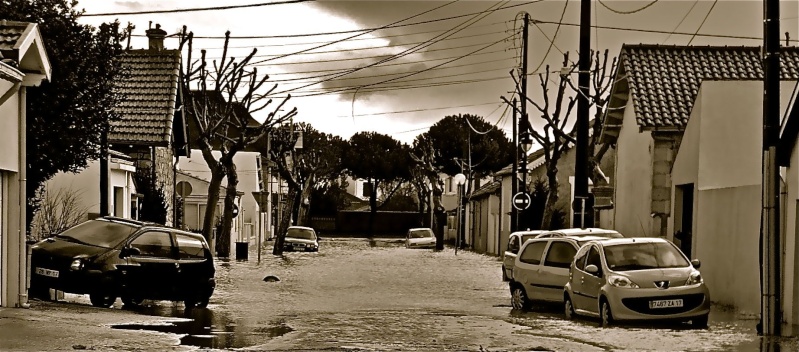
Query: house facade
(687, 126)
(195, 204)
(23, 64)
(250, 219)
(121, 188)
(151, 128)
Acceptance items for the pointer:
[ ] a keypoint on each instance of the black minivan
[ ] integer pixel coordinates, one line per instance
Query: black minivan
(112, 257)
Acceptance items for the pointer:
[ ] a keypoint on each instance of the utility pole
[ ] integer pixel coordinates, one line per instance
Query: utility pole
(771, 288)
(581, 153)
(104, 172)
(514, 214)
(524, 122)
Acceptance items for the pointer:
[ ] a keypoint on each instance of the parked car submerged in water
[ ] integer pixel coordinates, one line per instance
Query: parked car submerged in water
(636, 279)
(301, 238)
(113, 257)
(542, 268)
(420, 238)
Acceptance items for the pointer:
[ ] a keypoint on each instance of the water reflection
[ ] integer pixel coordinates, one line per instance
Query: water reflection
(205, 328)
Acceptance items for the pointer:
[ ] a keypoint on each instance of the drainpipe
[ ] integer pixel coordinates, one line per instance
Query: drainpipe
(23, 277)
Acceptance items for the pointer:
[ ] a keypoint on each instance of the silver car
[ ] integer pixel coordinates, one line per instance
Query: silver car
(542, 268)
(515, 242)
(636, 279)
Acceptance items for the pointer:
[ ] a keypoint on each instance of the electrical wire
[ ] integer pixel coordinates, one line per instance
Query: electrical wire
(640, 30)
(703, 21)
(620, 12)
(433, 40)
(552, 42)
(357, 35)
(380, 75)
(417, 72)
(215, 8)
(681, 21)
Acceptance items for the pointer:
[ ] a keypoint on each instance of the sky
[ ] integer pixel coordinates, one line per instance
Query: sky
(397, 67)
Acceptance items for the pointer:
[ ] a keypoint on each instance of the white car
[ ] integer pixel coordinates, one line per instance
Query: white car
(421, 237)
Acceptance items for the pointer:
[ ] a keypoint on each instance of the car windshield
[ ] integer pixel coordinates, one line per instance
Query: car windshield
(305, 234)
(640, 256)
(423, 233)
(99, 233)
(527, 237)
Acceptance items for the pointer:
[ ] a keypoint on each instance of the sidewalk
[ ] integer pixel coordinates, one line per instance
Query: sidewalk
(76, 325)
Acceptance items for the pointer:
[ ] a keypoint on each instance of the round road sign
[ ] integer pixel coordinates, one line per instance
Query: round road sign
(521, 201)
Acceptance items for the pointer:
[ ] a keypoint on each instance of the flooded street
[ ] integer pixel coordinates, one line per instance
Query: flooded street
(357, 294)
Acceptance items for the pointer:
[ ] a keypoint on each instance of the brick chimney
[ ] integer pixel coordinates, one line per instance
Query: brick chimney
(156, 36)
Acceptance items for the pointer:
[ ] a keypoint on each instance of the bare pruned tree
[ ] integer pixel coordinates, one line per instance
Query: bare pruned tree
(219, 98)
(556, 133)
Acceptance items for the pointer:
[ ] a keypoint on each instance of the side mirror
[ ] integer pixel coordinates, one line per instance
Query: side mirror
(129, 251)
(696, 263)
(591, 269)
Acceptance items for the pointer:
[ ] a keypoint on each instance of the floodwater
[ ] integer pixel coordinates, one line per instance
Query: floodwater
(375, 295)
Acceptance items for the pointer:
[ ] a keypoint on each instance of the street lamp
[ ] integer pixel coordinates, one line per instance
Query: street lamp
(459, 179)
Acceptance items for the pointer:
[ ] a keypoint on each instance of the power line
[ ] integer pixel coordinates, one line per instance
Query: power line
(681, 21)
(396, 25)
(433, 40)
(357, 35)
(294, 43)
(627, 12)
(215, 8)
(703, 21)
(552, 42)
(655, 31)
(421, 71)
(386, 65)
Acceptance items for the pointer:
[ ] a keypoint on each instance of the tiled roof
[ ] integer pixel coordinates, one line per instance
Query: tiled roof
(151, 88)
(486, 189)
(10, 33)
(664, 80)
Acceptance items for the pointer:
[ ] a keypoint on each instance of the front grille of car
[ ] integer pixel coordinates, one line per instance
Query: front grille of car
(641, 304)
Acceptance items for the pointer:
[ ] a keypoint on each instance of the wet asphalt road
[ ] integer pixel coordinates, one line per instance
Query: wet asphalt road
(357, 294)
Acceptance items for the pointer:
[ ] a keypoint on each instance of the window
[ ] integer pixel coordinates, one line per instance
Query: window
(154, 244)
(513, 244)
(100, 233)
(189, 247)
(579, 262)
(297, 232)
(532, 253)
(595, 259)
(560, 254)
(639, 256)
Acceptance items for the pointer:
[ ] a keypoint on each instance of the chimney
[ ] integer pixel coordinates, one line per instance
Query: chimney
(156, 36)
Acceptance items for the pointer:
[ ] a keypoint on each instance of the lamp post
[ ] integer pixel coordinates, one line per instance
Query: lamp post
(460, 180)
(526, 143)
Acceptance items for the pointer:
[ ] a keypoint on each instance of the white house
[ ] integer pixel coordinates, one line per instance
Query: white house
(23, 63)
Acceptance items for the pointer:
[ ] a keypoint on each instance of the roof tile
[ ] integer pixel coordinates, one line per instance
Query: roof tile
(151, 88)
(664, 80)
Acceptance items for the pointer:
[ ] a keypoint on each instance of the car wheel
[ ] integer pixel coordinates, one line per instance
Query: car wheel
(568, 308)
(700, 322)
(102, 299)
(504, 274)
(518, 298)
(132, 301)
(605, 314)
(197, 300)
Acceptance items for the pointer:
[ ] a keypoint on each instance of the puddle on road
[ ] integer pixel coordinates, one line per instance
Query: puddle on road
(208, 330)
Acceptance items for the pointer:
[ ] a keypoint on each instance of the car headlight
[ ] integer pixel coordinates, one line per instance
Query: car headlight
(621, 281)
(694, 278)
(76, 265)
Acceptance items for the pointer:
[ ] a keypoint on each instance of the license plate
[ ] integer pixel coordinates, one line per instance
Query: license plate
(667, 303)
(47, 272)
